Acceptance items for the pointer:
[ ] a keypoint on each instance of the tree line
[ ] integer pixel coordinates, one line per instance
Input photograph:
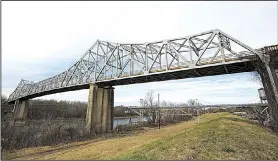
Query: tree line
(150, 102)
(44, 109)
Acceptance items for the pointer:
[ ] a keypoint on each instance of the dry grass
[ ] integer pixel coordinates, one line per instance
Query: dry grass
(44, 132)
(218, 136)
(227, 137)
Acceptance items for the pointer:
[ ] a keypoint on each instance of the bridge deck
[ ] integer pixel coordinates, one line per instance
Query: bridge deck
(183, 73)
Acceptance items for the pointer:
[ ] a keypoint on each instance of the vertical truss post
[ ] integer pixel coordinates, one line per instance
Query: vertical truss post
(96, 61)
(146, 57)
(122, 60)
(105, 59)
(178, 59)
(117, 60)
(112, 62)
(221, 46)
(160, 53)
(190, 51)
(166, 47)
(131, 70)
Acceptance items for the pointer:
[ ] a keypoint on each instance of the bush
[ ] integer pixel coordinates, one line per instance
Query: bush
(169, 118)
(44, 132)
(128, 128)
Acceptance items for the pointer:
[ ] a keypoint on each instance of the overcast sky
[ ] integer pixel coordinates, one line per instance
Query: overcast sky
(42, 39)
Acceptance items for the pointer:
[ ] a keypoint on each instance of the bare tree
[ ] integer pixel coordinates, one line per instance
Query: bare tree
(150, 102)
(6, 109)
(172, 104)
(255, 76)
(142, 103)
(193, 102)
(149, 98)
(163, 104)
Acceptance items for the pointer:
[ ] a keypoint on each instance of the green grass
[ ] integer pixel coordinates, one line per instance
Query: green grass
(227, 137)
(217, 136)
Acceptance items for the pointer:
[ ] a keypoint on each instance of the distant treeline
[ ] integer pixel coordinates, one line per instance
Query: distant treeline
(43, 109)
(53, 109)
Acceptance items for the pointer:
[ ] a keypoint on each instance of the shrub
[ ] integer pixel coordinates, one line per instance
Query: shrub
(44, 132)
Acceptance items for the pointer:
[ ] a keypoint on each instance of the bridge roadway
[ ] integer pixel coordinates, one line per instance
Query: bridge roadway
(108, 64)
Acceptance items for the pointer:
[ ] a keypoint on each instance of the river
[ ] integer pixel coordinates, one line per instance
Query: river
(125, 121)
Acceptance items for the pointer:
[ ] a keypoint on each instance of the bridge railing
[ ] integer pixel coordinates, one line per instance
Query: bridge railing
(269, 49)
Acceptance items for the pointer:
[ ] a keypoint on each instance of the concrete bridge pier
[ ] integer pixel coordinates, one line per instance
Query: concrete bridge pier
(99, 117)
(270, 83)
(20, 112)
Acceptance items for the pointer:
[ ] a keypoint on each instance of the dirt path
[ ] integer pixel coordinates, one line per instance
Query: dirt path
(46, 152)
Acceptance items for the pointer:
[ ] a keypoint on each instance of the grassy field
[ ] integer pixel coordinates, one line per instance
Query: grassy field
(217, 136)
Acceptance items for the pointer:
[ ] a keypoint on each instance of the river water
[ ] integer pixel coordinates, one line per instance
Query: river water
(126, 121)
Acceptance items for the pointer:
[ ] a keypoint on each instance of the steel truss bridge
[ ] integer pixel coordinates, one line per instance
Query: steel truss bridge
(184, 110)
(109, 64)
(205, 106)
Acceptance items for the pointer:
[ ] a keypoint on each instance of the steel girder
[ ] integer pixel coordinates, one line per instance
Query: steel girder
(106, 61)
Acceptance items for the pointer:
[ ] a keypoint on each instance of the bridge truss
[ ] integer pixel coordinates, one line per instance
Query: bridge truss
(107, 63)
(204, 106)
(185, 110)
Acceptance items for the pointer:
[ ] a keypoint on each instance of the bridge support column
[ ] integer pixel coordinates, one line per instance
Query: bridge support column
(99, 117)
(20, 112)
(270, 83)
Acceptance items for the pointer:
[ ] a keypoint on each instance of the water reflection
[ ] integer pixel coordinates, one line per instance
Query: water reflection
(126, 121)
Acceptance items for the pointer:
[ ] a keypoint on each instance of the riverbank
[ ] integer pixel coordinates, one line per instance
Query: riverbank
(217, 136)
(126, 117)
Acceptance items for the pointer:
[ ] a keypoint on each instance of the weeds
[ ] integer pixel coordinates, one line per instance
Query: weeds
(44, 132)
